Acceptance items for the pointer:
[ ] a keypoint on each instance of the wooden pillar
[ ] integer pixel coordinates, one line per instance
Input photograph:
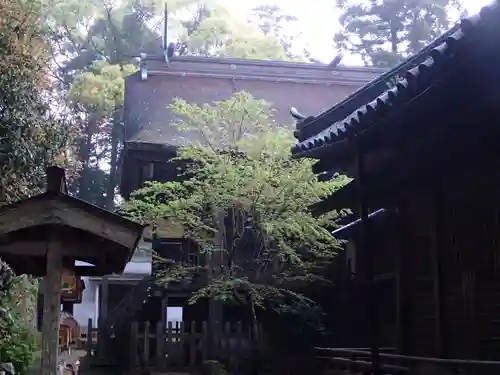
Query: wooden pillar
(160, 345)
(103, 315)
(97, 311)
(350, 329)
(436, 230)
(89, 337)
(367, 250)
(401, 282)
(164, 305)
(51, 308)
(104, 297)
(68, 307)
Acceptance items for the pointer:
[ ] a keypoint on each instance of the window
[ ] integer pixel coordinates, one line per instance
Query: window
(148, 171)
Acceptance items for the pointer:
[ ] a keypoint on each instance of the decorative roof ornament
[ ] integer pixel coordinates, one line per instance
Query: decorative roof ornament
(296, 114)
(168, 47)
(169, 52)
(143, 67)
(336, 61)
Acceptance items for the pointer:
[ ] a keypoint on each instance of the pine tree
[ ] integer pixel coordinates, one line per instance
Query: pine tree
(384, 32)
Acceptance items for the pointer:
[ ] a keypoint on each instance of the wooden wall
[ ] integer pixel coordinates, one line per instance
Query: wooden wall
(448, 241)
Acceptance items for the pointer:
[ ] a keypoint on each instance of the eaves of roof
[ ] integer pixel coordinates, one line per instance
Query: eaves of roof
(285, 71)
(347, 230)
(334, 126)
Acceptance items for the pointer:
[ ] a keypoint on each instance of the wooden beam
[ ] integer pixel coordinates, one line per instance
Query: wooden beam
(89, 252)
(367, 249)
(87, 271)
(436, 230)
(96, 225)
(51, 308)
(76, 251)
(45, 210)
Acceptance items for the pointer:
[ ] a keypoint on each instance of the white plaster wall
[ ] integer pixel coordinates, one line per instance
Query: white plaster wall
(140, 264)
(87, 309)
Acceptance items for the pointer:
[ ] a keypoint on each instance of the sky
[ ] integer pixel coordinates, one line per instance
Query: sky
(318, 20)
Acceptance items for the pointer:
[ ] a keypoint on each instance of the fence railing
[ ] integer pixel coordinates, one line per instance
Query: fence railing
(356, 360)
(182, 344)
(88, 338)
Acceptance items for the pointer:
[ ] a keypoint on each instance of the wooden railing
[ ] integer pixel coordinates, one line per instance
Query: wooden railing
(356, 360)
(183, 345)
(88, 338)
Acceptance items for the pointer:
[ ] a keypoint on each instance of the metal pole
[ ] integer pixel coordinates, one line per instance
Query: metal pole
(367, 250)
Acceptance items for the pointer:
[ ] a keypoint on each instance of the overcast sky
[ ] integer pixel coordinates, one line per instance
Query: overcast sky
(318, 19)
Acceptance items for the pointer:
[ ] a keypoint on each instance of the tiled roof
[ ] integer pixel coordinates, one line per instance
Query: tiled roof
(331, 128)
(311, 88)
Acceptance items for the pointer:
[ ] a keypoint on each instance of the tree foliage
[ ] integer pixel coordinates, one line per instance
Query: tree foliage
(385, 32)
(245, 203)
(18, 339)
(94, 46)
(283, 27)
(207, 28)
(30, 136)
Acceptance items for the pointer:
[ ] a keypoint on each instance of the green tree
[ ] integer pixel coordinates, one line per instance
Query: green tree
(275, 23)
(209, 29)
(31, 136)
(18, 338)
(385, 32)
(94, 46)
(245, 204)
(98, 95)
(92, 39)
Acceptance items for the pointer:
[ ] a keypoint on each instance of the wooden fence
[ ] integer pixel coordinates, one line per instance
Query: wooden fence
(359, 360)
(183, 345)
(88, 338)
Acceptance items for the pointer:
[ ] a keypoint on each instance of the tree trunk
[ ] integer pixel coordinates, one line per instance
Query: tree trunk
(214, 262)
(115, 139)
(394, 38)
(85, 147)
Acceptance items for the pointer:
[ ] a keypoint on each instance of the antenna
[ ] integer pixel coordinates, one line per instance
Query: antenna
(165, 26)
(168, 48)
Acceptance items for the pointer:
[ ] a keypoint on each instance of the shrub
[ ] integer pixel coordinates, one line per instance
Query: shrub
(18, 340)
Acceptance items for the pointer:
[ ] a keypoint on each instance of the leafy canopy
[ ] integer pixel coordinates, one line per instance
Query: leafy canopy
(30, 136)
(18, 338)
(94, 45)
(244, 200)
(385, 32)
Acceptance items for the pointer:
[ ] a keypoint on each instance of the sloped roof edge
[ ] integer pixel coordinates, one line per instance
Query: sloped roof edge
(255, 69)
(316, 134)
(256, 62)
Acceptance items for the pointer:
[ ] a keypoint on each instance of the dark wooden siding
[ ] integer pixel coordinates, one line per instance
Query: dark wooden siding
(459, 221)
(472, 280)
(416, 251)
